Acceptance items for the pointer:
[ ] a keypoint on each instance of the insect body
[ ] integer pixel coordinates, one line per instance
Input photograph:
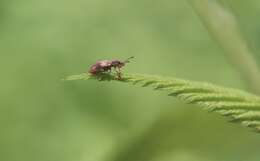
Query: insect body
(107, 65)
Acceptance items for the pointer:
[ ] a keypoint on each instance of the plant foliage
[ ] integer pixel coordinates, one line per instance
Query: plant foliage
(240, 106)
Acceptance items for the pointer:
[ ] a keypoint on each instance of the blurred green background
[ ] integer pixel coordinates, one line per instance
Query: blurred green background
(45, 119)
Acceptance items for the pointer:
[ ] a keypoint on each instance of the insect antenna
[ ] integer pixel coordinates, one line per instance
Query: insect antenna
(128, 60)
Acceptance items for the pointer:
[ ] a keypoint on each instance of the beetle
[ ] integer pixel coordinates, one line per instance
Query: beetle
(107, 65)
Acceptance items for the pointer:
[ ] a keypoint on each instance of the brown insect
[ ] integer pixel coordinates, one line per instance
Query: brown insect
(107, 65)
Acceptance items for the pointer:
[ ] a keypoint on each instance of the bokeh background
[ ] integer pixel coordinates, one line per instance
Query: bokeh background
(45, 119)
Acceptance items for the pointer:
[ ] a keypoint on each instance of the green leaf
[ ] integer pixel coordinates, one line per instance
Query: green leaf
(238, 105)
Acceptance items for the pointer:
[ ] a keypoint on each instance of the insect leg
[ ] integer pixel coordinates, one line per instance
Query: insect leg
(109, 70)
(118, 72)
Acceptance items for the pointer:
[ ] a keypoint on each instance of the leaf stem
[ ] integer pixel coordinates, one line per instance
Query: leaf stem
(223, 27)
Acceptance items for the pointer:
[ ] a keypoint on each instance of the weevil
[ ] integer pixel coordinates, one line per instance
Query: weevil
(107, 65)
